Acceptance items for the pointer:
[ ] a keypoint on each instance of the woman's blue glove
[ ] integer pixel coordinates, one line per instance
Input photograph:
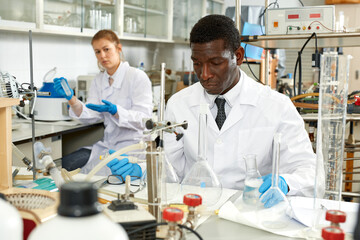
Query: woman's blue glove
(108, 107)
(123, 167)
(67, 93)
(273, 197)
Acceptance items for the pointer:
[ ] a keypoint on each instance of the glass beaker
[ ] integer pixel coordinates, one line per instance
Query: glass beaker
(201, 179)
(275, 216)
(252, 181)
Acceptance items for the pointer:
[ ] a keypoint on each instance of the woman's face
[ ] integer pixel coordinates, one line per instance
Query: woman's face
(107, 53)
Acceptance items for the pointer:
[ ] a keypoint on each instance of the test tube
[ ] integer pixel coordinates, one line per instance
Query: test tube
(66, 87)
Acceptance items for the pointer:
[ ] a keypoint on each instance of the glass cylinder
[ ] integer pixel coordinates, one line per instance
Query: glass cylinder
(253, 180)
(331, 123)
(333, 92)
(201, 179)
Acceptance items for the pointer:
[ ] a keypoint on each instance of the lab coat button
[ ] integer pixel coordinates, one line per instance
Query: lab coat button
(219, 141)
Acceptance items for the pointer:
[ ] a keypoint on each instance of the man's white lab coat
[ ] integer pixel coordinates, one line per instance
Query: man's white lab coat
(257, 115)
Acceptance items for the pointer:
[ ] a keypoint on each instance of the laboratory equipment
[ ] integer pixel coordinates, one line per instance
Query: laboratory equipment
(83, 84)
(274, 217)
(22, 157)
(173, 215)
(201, 178)
(45, 163)
(80, 214)
(192, 201)
(131, 216)
(252, 181)
(50, 106)
(331, 124)
(332, 233)
(333, 92)
(11, 225)
(8, 85)
(304, 20)
(335, 217)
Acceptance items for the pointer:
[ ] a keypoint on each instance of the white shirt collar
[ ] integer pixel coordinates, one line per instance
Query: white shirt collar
(231, 96)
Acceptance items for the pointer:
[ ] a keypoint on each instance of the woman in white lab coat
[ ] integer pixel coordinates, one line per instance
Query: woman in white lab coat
(119, 95)
(253, 114)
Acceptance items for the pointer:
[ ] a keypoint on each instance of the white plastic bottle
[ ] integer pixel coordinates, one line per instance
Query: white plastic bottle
(79, 217)
(11, 224)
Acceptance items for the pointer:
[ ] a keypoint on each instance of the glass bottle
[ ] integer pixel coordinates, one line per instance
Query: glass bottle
(275, 217)
(253, 180)
(201, 179)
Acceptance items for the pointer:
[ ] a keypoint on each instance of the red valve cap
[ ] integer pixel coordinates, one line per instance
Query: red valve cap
(357, 100)
(335, 216)
(192, 200)
(173, 214)
(332, 233)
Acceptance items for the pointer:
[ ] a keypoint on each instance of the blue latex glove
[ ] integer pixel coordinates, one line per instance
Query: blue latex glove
(60, 89)
(123, 167)
(108, 107)
(273, 197)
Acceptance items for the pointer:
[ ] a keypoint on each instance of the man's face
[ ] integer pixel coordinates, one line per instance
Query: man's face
(215, 67)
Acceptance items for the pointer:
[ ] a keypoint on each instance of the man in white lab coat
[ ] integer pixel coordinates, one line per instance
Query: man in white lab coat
(253, 112)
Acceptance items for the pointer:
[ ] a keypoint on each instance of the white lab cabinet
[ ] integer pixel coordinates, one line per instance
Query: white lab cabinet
(130, 19)
(187, 12)
(148, 20)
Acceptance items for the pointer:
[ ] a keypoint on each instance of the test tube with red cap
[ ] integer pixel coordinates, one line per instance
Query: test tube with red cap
(192, 201)
(173, 215)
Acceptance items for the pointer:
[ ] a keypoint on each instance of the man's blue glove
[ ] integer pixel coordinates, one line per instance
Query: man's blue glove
(123, 167)
(273, 197)
(62, 88)
(108, 107)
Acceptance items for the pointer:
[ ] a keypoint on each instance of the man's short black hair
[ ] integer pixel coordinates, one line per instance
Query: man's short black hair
(215, 27)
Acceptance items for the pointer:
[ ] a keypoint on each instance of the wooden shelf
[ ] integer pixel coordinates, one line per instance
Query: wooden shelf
(298, 40)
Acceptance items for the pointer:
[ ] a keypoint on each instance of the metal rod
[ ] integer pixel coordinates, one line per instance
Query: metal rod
(162, 101)
(351, 159)
(238, 15)
(351, 194)
(31, 104)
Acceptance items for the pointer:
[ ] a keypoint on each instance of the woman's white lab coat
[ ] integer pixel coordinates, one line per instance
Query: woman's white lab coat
(257, 115)
(132, 94)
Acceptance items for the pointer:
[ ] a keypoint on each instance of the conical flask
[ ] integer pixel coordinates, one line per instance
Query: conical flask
(274, 217)
(201, 179)
(253, 180)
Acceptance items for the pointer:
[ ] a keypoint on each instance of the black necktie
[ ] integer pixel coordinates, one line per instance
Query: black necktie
(221, 116)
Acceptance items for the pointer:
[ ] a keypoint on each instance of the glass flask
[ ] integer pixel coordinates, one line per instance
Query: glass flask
(253, 180)
(274, 217)
(201, 179)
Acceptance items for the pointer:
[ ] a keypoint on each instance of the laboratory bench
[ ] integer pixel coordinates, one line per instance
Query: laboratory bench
(63, 137)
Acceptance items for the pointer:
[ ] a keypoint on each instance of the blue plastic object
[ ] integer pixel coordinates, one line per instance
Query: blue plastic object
(49, 87)
(108, 107)
(123, 167)
(42, 184)
(251, 30)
